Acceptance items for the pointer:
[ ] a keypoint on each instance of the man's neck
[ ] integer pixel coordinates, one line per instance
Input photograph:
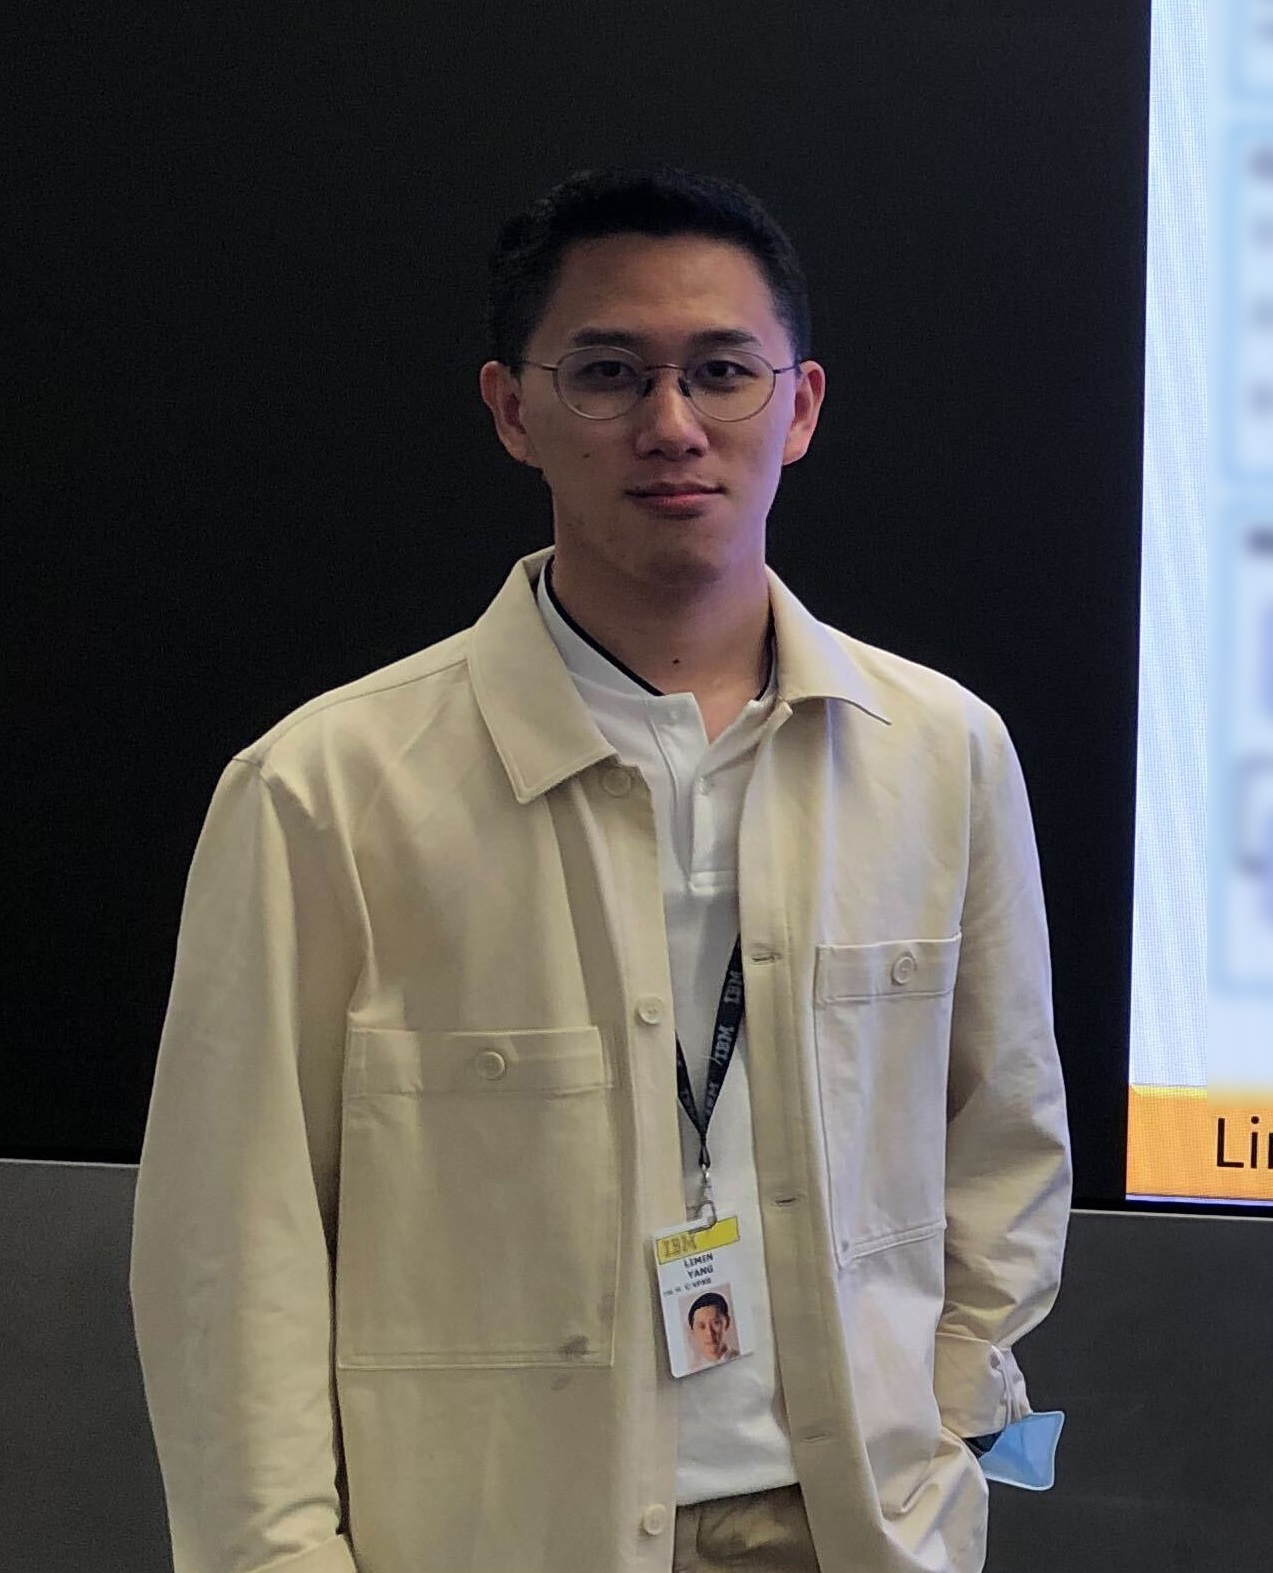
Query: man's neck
(711, 641)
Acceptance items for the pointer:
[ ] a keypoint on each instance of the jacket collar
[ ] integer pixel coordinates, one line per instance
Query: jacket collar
(540, 726)
(813, 661)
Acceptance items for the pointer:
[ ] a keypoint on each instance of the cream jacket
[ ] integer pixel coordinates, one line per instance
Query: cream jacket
(415, 1120)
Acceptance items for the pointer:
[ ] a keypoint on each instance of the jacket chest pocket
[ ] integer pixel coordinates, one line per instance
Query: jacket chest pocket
(479, 1200)
(882, 1026)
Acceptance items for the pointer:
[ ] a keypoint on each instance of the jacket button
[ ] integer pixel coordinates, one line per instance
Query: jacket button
(903, 970)
(618, 783)
(491, 1065)
(654, 1519)
(650, 1010)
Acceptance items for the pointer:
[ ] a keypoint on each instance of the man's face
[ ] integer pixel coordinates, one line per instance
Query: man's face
(662, 298)
(708, 1331)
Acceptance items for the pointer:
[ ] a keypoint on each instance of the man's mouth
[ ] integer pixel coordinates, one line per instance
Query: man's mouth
(689, 499)
(674, 489)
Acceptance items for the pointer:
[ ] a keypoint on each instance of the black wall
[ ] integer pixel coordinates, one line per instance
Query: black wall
(250, 462)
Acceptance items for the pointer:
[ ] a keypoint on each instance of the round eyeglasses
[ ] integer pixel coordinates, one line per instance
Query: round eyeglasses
(602, 383)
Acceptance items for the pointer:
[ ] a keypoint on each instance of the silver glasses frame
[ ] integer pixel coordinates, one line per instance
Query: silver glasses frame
(653, 366)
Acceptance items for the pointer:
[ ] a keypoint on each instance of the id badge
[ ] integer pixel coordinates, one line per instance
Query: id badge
(705, 1295)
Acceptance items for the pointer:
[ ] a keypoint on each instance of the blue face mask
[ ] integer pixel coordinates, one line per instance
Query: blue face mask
(1025, 1453)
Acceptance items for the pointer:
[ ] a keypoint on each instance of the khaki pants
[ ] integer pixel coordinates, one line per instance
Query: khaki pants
(766, 1532)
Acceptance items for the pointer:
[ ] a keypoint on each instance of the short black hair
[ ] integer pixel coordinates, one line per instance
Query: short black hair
(710, 1298)
(661, 201)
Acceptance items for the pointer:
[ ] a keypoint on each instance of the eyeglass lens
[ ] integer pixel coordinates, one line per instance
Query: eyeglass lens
(604, 383)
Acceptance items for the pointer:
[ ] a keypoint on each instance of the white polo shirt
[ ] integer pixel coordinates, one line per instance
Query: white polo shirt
(733, 1433)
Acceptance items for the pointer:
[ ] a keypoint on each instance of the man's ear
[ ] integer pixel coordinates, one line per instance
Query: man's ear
(810, 392)
(502, 395)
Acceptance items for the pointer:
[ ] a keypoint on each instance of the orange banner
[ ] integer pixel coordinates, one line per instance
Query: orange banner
(1180, 1142)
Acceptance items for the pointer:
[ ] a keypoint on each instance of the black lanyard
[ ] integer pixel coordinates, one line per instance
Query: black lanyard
(729, 1018)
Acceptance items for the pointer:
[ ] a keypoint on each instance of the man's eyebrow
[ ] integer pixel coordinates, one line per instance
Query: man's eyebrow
(621, 339)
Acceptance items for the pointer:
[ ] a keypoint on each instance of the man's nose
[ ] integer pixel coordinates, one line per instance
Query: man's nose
(665, 414)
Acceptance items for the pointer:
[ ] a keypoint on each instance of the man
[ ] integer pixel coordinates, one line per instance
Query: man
(709, 1324)
(472, 947)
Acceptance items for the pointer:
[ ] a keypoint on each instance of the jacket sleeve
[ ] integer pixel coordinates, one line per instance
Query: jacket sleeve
(1007, 1148)
(234, 1219)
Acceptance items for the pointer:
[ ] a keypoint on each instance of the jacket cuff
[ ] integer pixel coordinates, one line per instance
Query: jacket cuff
(333, 1556)
(979, 1387)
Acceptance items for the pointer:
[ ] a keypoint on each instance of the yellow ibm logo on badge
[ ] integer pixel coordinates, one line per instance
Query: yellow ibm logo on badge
(690, 1242)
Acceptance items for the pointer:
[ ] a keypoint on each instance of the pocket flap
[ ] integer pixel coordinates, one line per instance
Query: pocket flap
(890, 967)
(482, 1064)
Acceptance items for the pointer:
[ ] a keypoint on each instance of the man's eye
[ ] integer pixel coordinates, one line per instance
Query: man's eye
(719, 373)
(605, 371)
